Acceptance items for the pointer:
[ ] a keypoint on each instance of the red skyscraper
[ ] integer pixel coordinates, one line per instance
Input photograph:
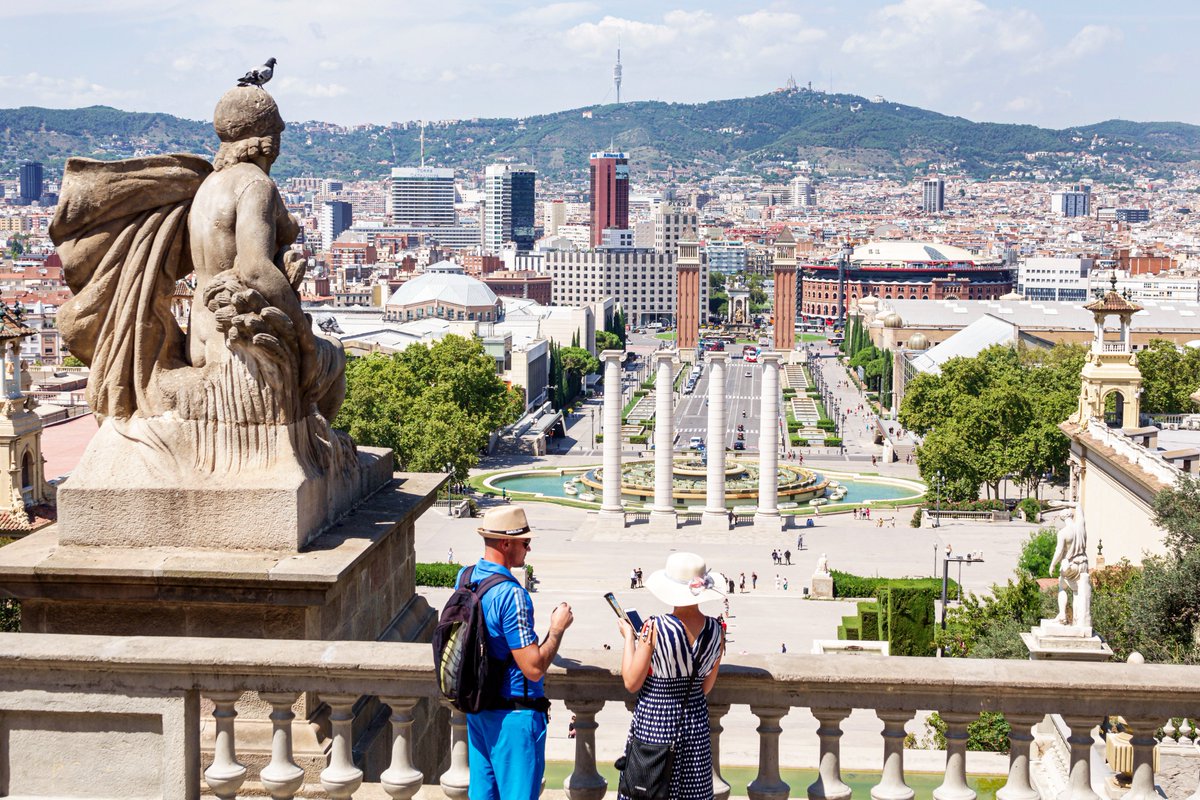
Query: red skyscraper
(610, 194)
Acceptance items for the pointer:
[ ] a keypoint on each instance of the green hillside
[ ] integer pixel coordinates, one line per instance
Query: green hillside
(842, 134)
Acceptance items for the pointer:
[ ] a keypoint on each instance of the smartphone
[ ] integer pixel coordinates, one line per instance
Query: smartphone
(631, 615)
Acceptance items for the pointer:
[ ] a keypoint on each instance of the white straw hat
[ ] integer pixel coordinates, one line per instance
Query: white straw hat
(685, 581)
(505, 522)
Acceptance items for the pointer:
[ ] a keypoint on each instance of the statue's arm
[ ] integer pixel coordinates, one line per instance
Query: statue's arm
(256, 244)
(1060, 548)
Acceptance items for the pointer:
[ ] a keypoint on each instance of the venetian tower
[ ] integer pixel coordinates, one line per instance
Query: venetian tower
(1111, 367)
(24, 483)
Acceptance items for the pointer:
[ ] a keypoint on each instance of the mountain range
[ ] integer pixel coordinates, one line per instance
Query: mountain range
(839, 134)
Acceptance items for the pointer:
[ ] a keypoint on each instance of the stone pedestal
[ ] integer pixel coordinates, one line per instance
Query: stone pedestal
(1054, 641)
(821, 587)
(354, 581)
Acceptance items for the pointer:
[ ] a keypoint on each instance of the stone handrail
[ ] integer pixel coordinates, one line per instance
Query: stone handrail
(43, 675)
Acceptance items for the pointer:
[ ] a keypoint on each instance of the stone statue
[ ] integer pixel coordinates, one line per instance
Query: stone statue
(250, 388)
(822, 569)
(1071, 553)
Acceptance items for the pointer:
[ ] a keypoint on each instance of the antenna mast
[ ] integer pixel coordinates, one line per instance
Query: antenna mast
(617, 71)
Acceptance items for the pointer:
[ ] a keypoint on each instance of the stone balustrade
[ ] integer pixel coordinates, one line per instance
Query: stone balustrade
(60, 696)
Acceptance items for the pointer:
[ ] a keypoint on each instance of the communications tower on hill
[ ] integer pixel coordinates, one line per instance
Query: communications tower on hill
(617, 73)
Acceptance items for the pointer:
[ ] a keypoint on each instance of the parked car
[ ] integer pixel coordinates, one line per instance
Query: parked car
(739, 445)
(741, 427)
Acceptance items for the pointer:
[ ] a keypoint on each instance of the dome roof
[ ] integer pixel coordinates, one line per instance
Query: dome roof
(1012, 296)
(870, 301)
(918, 341)
(893, 320)
(443, 287)
(906, 251)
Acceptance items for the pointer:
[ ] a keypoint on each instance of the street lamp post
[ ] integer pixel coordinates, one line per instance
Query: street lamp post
(449, 488)
(970, 558)
(938, 480)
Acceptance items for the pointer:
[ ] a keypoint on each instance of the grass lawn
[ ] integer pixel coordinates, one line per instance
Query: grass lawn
(669, 336)
(812, 337)
(923, 783)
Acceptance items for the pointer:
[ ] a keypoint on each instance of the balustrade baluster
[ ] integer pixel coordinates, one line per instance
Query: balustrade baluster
(401, 780)
(768, 785)
(1186, 731)
(716, 711)
(1020, 739)
(282, 777)
(891, 784)
(1168, 732)
(585, 782)
(225, 775)
(1079, 778)
(829, 784)
(455, 780)
(954, 785)
(341, 778)
(1141, 785)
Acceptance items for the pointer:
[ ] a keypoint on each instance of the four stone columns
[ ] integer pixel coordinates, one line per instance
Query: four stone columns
(767, 516)
(716, 515)
(610, 504)
(663, 512)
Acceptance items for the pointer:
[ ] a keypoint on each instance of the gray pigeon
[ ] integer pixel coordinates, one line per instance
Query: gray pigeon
(257, 77)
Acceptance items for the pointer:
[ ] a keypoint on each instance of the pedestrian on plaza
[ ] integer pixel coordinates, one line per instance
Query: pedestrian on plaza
(785, 583)
(726, 608)
(867, 511)
(731, 518)
(639, 576)
(777, 581)
(506, 741)
(633, 578)
(742, 583)
(783, 647)
(730, 585)
(787, 557)
(673, 665)
(800, 541)
(872, 461)
(450, 556)
(571, 728)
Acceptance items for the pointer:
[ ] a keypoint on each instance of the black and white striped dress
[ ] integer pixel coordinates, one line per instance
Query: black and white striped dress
(659, 701)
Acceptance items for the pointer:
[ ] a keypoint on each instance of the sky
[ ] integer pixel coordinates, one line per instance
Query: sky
(1053, 63)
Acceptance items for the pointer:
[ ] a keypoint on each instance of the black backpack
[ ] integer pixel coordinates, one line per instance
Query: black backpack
(468, 676)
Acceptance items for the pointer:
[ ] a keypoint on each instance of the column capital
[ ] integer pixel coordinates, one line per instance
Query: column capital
(612, 355)
(665, 356)
(716, 356)
(770, 357)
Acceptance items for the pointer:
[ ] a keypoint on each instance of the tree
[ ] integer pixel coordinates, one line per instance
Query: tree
(1037, 552)
(433, 406)
(1177, 511)
(72, 361)
(1169, 376)
(990, 626)
(606, 340)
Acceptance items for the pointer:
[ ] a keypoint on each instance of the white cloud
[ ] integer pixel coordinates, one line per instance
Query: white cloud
(554, 13)
(298, 86)
(48, 90)
(1091, 39)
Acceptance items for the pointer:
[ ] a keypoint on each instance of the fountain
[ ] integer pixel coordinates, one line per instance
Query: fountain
(689, 481)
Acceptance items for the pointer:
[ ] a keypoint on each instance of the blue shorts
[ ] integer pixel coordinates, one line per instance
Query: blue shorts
(507, 754)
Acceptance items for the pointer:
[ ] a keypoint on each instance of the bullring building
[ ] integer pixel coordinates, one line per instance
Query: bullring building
(902, 270)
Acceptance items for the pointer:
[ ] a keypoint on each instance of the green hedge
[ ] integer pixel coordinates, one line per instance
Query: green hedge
(827, 425)
(789, 393)
(648, 384)
(641, 393)
(599, 438)
(798, 442)
(639, 438)
(439, 574)
(916, 519)
(868, 614)
(906, 614)
(964, 505)
(833, 441)
(851, 629)
(793, 426)
(846, 584)
(1031, 507)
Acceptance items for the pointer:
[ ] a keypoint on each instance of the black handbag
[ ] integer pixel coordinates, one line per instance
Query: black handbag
(646, 768)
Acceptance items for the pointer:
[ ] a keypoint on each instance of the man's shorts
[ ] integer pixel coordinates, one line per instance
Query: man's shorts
(507, 751)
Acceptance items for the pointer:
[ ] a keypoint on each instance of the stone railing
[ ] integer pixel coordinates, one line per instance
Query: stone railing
(1152, 463)
(60, 695)
(1114, 347)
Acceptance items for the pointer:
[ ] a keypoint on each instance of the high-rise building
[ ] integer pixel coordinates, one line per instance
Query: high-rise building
(610, 193)
(554, 213)
(643, 282)
(933, 197)
(672, 223)
(508, 195)
(336, 216)
(804, 192)
(31, 182)
(1074, 202)
(423, 196)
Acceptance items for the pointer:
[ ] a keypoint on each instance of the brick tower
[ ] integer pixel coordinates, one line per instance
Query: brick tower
(785, 292)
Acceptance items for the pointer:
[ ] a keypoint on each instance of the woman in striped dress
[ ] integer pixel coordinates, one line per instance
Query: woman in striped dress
(659, 661)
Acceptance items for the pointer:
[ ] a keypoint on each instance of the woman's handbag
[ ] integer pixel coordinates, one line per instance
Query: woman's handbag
(646, 768)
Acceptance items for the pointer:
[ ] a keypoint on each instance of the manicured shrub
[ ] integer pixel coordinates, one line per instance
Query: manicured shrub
(438, 574)
(833, 441)
(1031, 508)
(907, 619)
(916, 519)
(846, 584)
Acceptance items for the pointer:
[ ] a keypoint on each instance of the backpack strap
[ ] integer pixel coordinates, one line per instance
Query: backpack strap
(492, 581)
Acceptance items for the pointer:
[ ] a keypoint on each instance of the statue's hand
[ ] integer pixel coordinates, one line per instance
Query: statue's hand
(245, 317)
(295, 265)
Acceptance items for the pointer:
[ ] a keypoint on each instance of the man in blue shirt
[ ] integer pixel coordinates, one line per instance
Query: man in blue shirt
(507, 741)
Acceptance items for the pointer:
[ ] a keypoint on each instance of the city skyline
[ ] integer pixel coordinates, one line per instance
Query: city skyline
(999, 61)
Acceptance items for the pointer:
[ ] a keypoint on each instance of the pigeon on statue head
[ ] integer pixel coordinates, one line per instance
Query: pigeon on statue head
(257, 77)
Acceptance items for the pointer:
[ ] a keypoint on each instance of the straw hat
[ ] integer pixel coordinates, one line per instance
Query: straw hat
(685, 581)
(505, 522)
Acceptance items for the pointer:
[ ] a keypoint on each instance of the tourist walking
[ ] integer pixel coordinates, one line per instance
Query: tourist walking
(506, 741)
(673, 666)
(753, 580)
(787, 557)
(742, 583)
(633, 578)
(450, 556)
(777, 581)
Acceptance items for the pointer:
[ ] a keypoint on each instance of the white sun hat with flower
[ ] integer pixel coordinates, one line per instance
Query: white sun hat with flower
(685, 581)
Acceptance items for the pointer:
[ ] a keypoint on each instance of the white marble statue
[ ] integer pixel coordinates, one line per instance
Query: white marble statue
(1073, 577)
(822, 570)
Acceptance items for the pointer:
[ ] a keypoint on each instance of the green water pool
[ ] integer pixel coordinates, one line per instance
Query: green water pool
(550, 484)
